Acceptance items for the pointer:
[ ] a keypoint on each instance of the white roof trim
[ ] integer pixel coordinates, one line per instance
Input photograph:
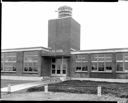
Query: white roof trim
(23, 49)
(73, 49)
(102, 51)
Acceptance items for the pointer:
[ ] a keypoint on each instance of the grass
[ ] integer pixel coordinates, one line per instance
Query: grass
(89, 87)
(4, 82)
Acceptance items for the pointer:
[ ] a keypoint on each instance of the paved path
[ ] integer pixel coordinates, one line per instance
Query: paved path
(103, 80)
(22, 86)
(21, 78)
(39, 79)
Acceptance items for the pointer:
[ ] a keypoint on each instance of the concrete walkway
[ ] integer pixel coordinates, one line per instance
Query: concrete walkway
(21, 78)
(103, 80)
(40, 78)
(22, 86)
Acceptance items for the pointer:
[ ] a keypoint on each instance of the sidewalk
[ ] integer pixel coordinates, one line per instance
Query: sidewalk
(103, 80)
(39, 79)
(21, 78)
(22, 86)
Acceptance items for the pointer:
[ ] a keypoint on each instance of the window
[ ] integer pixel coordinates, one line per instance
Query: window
(94, 66)
(119, 66)
(126, 66)
(81, 63)
(101, 66)
(78, 66)
(101, 62)
(58, 69)
(122, 62)
(64, 68)
(8, 62)
(30, 62)
(108, 66)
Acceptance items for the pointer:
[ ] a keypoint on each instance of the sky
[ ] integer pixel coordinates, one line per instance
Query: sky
(103, 25)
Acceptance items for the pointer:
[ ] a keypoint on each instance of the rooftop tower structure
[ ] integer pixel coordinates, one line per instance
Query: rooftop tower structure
(64, 11)
(64, 32)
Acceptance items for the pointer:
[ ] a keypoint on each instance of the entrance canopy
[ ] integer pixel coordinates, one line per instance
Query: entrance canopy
(66, 54)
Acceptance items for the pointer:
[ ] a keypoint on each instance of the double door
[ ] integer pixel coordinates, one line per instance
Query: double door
(59, 67)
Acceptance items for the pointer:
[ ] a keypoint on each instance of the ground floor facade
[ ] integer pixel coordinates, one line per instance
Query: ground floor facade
(41, 62)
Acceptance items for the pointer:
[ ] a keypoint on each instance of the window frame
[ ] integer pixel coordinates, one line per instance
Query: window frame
(83, 62)
(103, 60)
(4, 60)
(124, 60)
(31, 62)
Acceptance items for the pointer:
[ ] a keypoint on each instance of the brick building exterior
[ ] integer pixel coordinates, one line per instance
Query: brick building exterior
(63, 57)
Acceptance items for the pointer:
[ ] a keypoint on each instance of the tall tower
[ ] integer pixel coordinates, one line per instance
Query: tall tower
(64, 32)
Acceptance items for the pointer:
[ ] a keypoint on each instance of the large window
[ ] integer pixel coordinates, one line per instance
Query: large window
(31, 62)
(122, 61)
(101, 62)
(81, 63)
(8, 62)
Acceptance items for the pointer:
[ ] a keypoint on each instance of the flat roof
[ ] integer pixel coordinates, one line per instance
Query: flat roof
(26, 49)
(72, 52)
(100, 51)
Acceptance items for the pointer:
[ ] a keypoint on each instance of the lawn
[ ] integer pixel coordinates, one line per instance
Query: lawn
(4, 82)
(89, 87)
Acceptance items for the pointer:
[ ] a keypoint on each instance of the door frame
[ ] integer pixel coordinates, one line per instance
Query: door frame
(61, 68)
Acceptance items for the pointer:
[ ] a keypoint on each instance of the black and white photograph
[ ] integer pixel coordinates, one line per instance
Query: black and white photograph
(64, 51)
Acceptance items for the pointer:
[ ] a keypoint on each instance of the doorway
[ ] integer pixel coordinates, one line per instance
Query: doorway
(59, 66)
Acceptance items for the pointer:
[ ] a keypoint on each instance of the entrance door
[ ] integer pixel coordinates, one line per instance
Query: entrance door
(59, 67)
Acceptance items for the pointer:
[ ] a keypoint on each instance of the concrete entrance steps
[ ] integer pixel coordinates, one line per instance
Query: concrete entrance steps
(53, 79)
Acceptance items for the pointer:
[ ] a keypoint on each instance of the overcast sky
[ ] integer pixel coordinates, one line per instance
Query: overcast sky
(103, 25)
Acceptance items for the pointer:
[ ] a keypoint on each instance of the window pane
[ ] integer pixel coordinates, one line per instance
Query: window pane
(53, 66)
(94, 66)
(100, 57)
(25, 68)
(58, 71)
(64, 66)
(126, 66)
(85, 68)
(53, 71)
(53, 60)
(35, 69)
(108, 57)
(9, 61)
(101, 66)
(126, 56)
(78, 66)
(30, 69)
(108, 66)
(82, 57)
(119, 56)
(94, 58)
(8, 69)
(58, 67)
(64, 71)
(119, 66)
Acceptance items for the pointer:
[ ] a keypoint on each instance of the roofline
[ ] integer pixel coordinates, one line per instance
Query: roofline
(25, 49)
(100, 51)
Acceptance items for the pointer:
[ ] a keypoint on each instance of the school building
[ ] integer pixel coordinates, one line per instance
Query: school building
(63, 57)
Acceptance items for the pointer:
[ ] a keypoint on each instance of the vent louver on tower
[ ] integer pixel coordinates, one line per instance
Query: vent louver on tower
(64, 11)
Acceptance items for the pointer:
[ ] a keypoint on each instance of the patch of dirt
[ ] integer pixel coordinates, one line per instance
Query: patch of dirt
(60, 96)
